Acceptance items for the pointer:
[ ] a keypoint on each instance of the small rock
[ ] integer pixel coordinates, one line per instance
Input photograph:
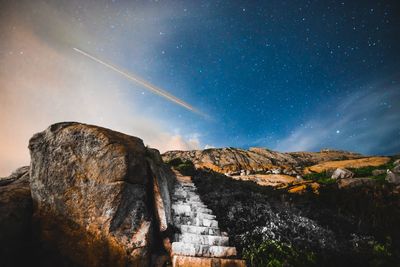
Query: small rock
(299, 178)
(276, 171)
(393, 178)
(397, 162)
(340, 173)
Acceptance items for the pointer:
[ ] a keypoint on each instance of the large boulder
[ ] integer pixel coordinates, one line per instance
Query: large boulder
(340, 173)
(92, 194)
(15, 218)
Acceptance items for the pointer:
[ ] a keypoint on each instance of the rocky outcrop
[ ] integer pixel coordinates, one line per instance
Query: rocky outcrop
(92, 191)
(356, 182)
(352, 163)
(15, 218)
(396, 168)
(340, 173)
(236, 161)
(393, 177)
(21, 172)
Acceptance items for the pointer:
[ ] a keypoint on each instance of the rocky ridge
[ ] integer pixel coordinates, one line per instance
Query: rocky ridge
(234, 161)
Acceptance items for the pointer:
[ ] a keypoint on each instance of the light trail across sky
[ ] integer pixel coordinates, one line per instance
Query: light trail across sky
(142, 82)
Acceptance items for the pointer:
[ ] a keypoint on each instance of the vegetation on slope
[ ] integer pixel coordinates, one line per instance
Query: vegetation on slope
(352, 227)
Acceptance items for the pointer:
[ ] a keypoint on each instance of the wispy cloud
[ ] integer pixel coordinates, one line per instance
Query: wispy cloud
(43, 82)
(366, 121)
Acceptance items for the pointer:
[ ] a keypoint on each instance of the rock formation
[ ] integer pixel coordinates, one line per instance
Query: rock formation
(95, 197)
(92, 190)
(340, 173)
(233, 160)
(15, 218)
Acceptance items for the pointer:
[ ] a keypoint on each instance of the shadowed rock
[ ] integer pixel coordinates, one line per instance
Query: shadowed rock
(15, 217)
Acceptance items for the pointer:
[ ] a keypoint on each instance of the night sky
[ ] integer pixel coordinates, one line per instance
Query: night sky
(287, 75)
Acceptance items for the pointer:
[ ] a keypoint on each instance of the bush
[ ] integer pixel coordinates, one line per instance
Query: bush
(316, 176)
(175, 162)
(271, 253)
(321, 178)
(184, 167)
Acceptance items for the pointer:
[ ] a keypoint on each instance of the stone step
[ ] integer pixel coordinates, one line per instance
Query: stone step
(179, 208)
(187, 261)
(195, 221)
(193, 204)
(199, 215)
(186, 195)
(186, 198)
(185, 187)
(211, 240)
(200, 230)
(188, 249)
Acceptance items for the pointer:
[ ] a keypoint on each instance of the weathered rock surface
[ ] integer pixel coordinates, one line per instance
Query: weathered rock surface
(378, 172)
(92, 194)
(15, 218)
(268, 179)
(393, 178)
(233, 160)
(352, 163)
(15, 175)
(340, 173)
(355, 182)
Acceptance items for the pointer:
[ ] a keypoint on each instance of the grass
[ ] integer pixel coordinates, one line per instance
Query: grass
(271, 253)
(324, 177)
(321, 178)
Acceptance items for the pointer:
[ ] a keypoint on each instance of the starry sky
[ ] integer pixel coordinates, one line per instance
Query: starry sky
(286, 75)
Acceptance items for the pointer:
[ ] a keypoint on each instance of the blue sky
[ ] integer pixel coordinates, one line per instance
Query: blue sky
(287, 75)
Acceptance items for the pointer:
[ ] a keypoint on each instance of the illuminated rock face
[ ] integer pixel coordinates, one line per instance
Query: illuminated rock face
(234, 161)
(92, 195)
(200, 241)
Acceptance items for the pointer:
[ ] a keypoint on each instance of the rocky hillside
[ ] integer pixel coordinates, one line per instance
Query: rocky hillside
(257, 160)
(95, 197)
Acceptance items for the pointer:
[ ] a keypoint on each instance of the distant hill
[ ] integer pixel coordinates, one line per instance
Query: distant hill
(258, 160)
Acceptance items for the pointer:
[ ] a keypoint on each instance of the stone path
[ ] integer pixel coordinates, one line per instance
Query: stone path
(201, 242)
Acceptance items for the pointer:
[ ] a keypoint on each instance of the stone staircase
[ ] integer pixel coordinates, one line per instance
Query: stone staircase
(200, 241)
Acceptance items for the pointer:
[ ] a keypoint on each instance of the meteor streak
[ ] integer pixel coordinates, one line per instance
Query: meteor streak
(142, 82)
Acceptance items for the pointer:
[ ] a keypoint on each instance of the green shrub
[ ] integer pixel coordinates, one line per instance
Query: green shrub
(382, 255)
(321, 178)
(271, 253)
(367, 171)
(186, 168)
(326, 180)
(314, 176)
(175, 162)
